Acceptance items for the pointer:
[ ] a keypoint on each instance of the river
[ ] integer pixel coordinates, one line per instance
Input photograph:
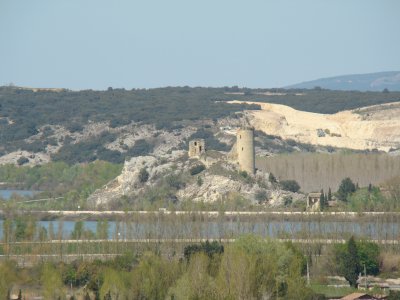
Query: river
(215, 229)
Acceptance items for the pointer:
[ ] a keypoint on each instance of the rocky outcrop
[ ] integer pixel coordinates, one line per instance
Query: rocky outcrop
(129, 182)
(213, 188)
(217, 182)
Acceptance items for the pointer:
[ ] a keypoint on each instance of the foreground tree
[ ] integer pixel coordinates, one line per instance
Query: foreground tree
(7, 277)
(348, 261)
(52, 284)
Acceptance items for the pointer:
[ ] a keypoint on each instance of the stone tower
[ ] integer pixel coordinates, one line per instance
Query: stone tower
(196, 148)
(245, 149)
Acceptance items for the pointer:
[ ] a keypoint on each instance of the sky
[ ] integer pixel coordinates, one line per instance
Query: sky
(96, 44)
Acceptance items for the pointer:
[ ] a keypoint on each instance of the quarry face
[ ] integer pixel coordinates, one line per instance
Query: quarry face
(367, 128)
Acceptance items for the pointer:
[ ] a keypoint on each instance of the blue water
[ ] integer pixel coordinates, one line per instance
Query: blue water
(6, 194)
(230, 229)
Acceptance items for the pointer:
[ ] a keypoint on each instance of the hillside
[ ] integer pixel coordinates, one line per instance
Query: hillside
(355, 82)
(368, 128)
(42, 125)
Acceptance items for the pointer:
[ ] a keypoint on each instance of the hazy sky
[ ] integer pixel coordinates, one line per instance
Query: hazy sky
(82, 44)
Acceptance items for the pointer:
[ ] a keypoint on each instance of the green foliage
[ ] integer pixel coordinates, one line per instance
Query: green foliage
(115, 284)
(348, 260)
(290, 185)
(329, 194)
(210, 249)
(197, 169)
(31, 110)
(153, 276)
(199, 181)
(102, 227)
(373, 200)
(52, 282)
(140, 148)
(393, 295)
(77, 233)
(260, 196)
(22, 160)
(143, 175)
(369, 257)
(89, 150)
(8, 271)
(74, 183)
(164, 107)
(346, 188)
(175, 181)
(272, 178)
(323, 200)
(243, 174)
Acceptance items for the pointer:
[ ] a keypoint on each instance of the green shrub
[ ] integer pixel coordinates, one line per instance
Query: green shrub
(197, 169)
(346, 188)
(290, 185)
(143, 175)
(22, 160)
(140, 148)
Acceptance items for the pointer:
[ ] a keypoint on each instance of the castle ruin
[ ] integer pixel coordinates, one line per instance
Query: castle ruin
(245, 149)
(196, 148)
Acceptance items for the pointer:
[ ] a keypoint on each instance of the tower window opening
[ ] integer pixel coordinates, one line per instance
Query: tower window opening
(195, 143)
(242, 148)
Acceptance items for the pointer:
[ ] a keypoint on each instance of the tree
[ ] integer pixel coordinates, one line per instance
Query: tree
(322, 200)
(196, 283)
(345, 189)
(207, 248)
(153, 276)
(272, 178)
(197, 169)
(290, 185)
(394, 295)
(114, 284)
(22, 160)
(348, 261)
(52, 282)
(102, 229)
(329, 194)
(20, 229)
(7, 271)
(77, 233)
(369, 257)
(260, 196)
(143, 175)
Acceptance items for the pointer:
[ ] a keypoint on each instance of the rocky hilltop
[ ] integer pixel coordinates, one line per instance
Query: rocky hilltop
(210, 178)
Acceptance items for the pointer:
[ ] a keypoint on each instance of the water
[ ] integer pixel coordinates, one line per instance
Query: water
(230, 229)
(6, 194)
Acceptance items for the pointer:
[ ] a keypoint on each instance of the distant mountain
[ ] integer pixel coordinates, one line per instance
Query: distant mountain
(361, 82)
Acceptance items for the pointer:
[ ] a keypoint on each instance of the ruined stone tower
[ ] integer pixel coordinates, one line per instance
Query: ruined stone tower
(245, 149)
(196, 148)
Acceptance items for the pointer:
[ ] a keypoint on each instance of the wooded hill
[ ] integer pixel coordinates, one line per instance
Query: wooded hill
(23, 111)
